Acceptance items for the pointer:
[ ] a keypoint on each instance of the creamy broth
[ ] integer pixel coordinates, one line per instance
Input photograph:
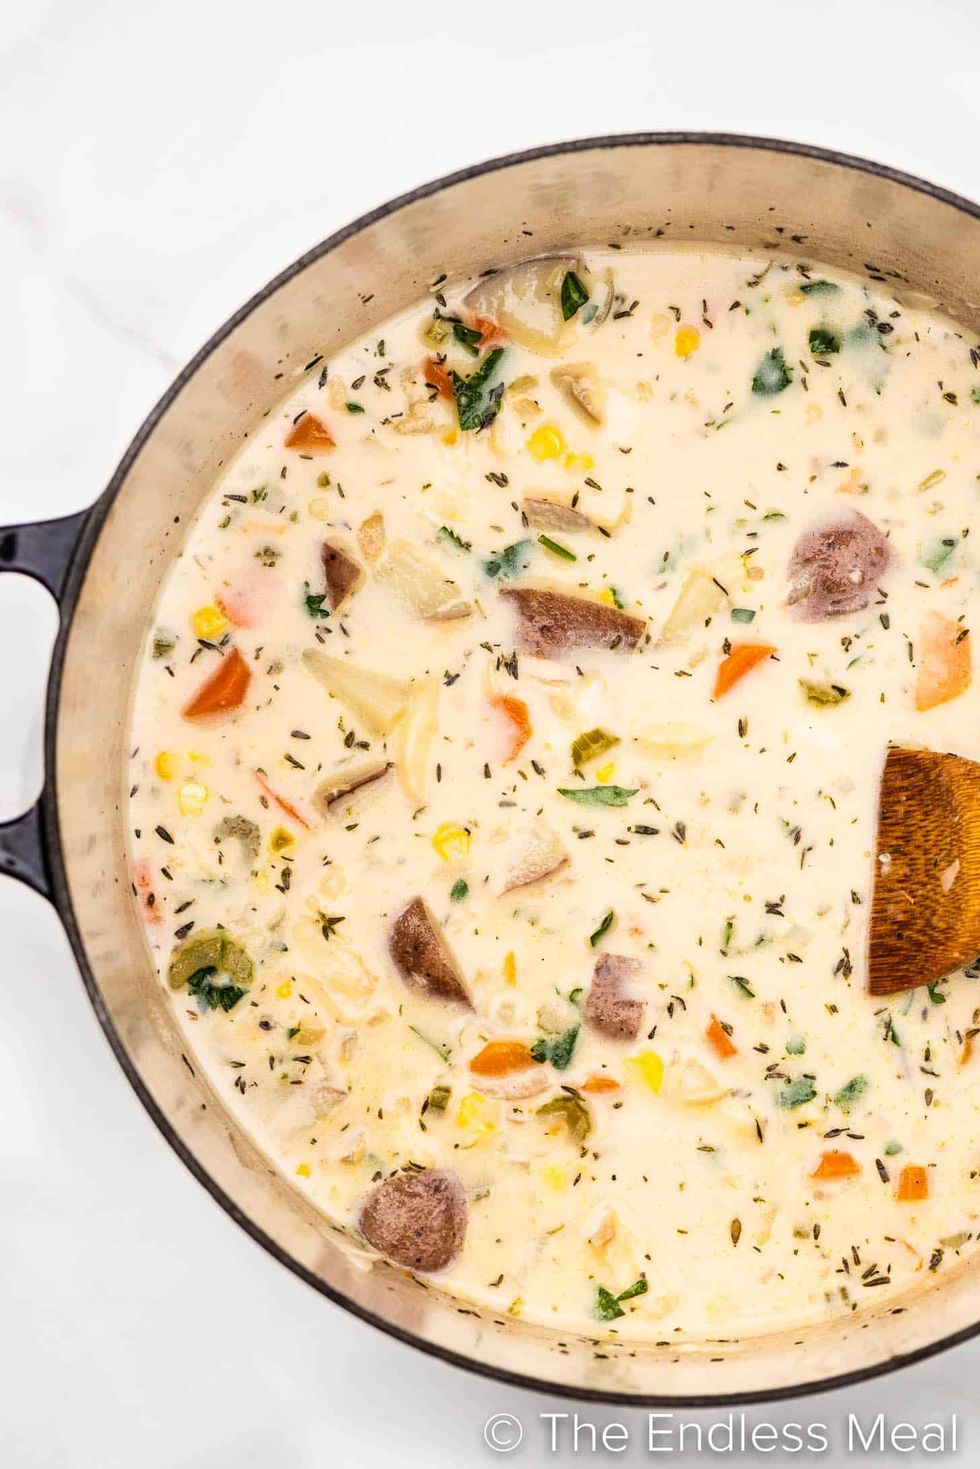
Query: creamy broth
(527, 936)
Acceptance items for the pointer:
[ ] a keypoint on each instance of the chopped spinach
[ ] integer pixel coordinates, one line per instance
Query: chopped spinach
(573, 295)
(772, 375)
(598, 795)
(477, 397)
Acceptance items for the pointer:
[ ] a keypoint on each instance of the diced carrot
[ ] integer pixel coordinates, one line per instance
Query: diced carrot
(144, 891)
(310, 435)
(913, 1184)
(599, 1083)
(515, 712)
(942, 652)
(740, 661)
(967, 1052)
(491, 333)
(224, 691)
(280, 801)
(437, 377)
(501, 1058)
(720, 1041)
(836, 1164)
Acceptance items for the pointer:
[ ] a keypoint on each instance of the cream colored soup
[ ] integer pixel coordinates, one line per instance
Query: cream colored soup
(578, 1025)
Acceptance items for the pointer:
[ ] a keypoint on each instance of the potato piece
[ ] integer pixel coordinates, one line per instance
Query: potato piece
(525, 300)
(376, 699)
(537, 854)
(835, 569)
(423, 958)
(346, 779)
(343, 574)
(550, 622)
(371, 537)
(414, 738)
(417, 1219)
(610, 1008)
(421, 583)
(705, 591)
(693, 1084)
(673, 740)
(542, 514)
(580, 384)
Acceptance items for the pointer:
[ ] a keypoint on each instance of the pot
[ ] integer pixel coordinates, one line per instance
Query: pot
(105, 567)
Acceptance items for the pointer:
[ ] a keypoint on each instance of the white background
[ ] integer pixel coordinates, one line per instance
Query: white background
(158, 163)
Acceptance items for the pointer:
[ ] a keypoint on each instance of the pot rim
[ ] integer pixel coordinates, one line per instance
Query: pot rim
(54, 855)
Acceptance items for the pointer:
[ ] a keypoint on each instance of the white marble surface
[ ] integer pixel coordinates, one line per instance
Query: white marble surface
(157, 164)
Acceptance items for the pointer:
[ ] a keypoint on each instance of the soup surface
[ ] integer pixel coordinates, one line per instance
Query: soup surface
(506, 757)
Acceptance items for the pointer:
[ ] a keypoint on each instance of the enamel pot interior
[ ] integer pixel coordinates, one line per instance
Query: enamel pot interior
(923, 243)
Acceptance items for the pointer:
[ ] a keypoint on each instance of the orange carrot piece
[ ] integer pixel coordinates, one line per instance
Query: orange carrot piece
(280, 801)
(224, 691)
(913, 1184)
(740, 661)
(501, 1058)
(310, 435)
(491, 333)
(967, 1052)
(599, 1083)
(144, 892)
(836, 1164)
(437, 377)
(942, 652)
(515, 712)
(720, 1041)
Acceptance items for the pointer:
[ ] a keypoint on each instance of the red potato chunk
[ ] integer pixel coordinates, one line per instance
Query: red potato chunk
(835, 568)
(609, 1007)
(423, 958)
(550, 623)
(417, 1219)
(342, 573)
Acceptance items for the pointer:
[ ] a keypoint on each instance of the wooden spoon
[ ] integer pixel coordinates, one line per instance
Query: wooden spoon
(925, 902)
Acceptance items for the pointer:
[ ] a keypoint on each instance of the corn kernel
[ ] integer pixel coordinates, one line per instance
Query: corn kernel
(649, 1067)
(510, 967)
(209, 622)
(281, 840)
(583, 462)
(192, 798)
(605, 773)
(284, 990)
(608, 596)
(165, 765)
(478, 1113)
(198, 758)
(303, 1170)
(449, 437)
(546, 442)
(451, 840)
(516, 1306)
(687, 340)
(554, 1176)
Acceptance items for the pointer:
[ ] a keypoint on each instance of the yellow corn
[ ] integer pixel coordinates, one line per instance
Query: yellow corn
(451, 841)
(284, 990)
(209, 622)
(165, 765)
(605, 772)
(608, 596)
(192, 797)
(303, 1169)
(281, 840)
(450, 437)
(554, 1176)
(478, 1114)
(686, 341)
(546, 442)
(583, 462)
(649, 1068)
(510, 967)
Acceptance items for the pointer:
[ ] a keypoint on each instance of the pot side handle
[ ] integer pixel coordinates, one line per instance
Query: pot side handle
(43, 551)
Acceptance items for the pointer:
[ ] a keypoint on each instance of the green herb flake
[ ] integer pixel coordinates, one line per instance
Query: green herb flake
(796, 1046)
(796, 1093)
(213, 993)
(556, 548)
(743, 614)
(477, 396)
(892, 1148)
(573, 295)
(607, 1306)
(606, 923)
(819, 288)
(559, 1051)
(353, 407)
(510, 561)
(598, 795)
(937, 556)
(313, 602)
(444, 533)
(935, 993)
(588, 746)
(772, 375)
(459, 890)
(823, 342)
(468, 338)
(852, 1091)
(743, 986)
(823, 692)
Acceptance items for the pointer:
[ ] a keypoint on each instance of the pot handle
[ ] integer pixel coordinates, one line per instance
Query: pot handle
(43, 551)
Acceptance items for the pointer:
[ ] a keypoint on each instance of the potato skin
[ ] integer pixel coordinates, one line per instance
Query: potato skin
(423, 958)
(835, 568)
(607, 1009)
(341, 571)
(416, 1219)
(550, 623)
